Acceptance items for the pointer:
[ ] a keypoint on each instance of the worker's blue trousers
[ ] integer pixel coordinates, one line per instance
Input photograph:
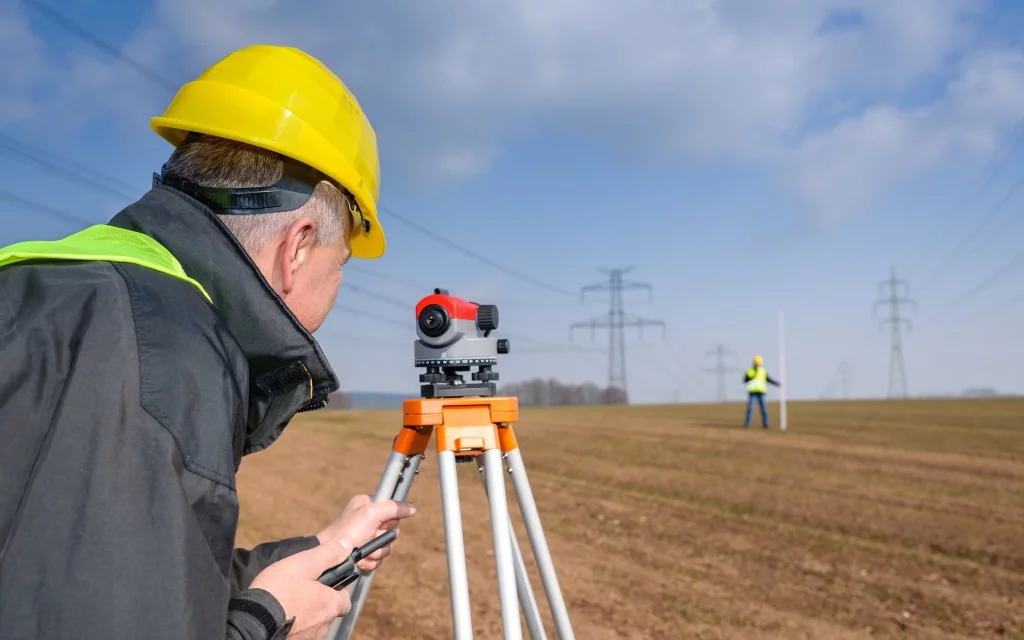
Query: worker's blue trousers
(759, 399)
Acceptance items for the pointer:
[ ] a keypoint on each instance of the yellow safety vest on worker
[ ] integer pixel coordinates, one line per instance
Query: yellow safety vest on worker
(101, 242)
(758, 382)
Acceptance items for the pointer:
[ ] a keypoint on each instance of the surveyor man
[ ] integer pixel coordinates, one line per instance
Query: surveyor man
(757, 380)
(142, 359)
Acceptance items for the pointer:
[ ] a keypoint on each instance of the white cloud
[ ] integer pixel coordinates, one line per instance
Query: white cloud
(704, 80)
(840, 172)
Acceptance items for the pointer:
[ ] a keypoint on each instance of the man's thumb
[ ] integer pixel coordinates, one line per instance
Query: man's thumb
(326, 555)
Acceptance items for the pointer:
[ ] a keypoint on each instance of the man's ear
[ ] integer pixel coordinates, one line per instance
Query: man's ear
(299, 241)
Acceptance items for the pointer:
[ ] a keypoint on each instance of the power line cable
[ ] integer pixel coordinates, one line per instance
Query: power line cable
(974, 233)
(992, 279)
(77, 166)
(550, 347)
(410, 324)
(999, 307)
(866, 345)
(987, 313)
(42, 208)
(76, 176)
(383, 276)
(69, 175)
(71, 26)
(474, 255)
(358, 338)
(373, 316)
(986, 171)
(721, 369)
(67, 24)
(673, 354)
(377, 296)
(36, 157)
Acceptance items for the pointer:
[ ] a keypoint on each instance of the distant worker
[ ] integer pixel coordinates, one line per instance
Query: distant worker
(145, 358)
(757, 380)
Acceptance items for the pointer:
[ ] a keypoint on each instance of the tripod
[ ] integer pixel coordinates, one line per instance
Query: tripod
(472, 429)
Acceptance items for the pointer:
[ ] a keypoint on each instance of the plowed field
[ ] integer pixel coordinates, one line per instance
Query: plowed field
(864, 520)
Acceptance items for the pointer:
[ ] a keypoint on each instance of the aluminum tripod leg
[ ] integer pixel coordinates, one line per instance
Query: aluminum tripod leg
(458, 580)
(502, 544)
(526, 599)
(395, 483)
(545, 566)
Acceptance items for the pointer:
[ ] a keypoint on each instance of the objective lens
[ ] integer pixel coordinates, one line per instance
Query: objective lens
(434, 320)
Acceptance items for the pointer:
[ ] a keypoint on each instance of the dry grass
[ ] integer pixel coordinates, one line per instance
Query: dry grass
(864, 520)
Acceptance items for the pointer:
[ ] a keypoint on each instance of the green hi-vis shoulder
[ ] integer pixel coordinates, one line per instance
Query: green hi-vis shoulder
(104, 243)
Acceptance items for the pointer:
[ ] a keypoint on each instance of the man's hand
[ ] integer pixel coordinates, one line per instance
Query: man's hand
(361, 521)
(293, 582)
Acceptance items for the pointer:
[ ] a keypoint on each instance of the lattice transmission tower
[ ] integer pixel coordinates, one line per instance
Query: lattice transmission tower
(897, 365)
(721, 369)
(616, 322)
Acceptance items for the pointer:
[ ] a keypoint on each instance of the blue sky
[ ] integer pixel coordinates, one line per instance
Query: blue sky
(741, 159)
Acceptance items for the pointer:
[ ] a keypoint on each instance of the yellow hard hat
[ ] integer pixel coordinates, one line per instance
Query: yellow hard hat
(758, 360)
(284, 100)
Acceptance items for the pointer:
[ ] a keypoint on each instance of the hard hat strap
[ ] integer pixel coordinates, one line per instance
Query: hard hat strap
(290, 192)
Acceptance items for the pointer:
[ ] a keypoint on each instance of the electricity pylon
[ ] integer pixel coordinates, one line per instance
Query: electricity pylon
(844, 378)
(721, 369)
(616, 321)
(897, 366)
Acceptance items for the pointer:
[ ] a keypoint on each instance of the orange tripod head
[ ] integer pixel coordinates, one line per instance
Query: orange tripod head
(455, 336)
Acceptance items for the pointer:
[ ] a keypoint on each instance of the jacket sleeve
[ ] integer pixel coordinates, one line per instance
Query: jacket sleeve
(247, 563)
(255, 614)
(111, 526)
(771, 380)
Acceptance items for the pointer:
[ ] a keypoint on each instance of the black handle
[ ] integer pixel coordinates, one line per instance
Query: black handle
(344, 574)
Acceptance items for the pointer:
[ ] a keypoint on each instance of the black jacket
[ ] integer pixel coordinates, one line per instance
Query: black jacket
(126, 404)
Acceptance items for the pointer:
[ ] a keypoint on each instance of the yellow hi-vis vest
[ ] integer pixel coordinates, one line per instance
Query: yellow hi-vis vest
(104, 243)
(758, 382)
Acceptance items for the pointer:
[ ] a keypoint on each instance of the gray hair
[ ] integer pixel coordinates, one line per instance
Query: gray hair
(210, 161)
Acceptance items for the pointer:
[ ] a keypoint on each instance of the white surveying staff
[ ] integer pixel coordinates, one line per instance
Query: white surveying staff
(782, 374)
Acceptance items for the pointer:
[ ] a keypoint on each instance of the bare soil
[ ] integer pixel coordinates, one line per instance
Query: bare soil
(898, 519)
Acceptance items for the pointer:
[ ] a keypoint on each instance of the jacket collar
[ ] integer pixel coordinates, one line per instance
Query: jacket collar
(288, 372)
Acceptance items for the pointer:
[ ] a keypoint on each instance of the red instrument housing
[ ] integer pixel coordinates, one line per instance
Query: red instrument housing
(457, 308)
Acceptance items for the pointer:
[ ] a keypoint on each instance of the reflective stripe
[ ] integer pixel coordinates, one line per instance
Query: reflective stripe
(758, 382)
(104, 243)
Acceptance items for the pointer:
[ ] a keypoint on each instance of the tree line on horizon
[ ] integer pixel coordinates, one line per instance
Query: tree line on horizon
(533, 392)
(551, 392)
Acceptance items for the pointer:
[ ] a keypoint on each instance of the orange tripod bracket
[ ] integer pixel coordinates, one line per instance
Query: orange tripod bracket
(465, 426)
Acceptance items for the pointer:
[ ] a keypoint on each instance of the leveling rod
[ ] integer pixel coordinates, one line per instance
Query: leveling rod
(471, 424)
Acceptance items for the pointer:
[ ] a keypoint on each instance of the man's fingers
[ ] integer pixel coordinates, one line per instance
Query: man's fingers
(391, 510)
(368, 565)
(324, 556)
(359, 500)
(389, 525)
(379, 554)
(342, 603)
(373, 561)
